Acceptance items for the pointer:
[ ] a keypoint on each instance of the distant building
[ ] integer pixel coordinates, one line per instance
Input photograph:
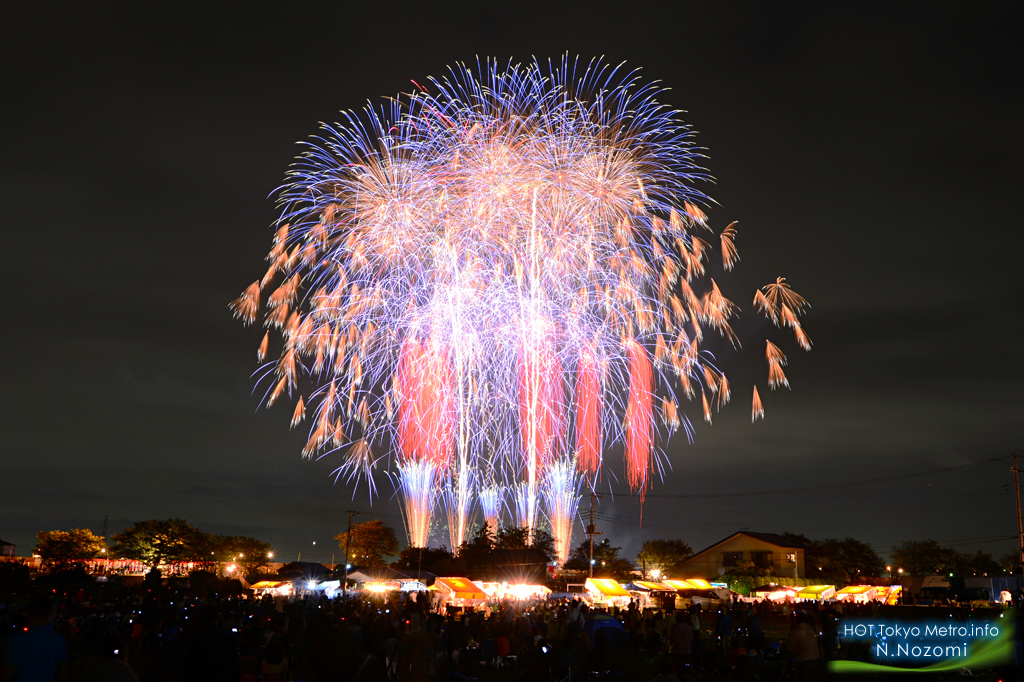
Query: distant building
(782, 556)
(6, 549)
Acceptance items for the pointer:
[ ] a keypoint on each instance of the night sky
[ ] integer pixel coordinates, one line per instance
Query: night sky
(874, 159)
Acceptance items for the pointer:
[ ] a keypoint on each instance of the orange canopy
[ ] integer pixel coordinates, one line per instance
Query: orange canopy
(460, 588)
(606, 586)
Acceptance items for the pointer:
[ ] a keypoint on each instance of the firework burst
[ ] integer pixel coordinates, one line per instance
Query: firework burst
(495, 278)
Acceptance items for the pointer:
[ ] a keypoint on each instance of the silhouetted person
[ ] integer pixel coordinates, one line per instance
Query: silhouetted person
(38, 654)
(108, 665)
(803, 642)
(212, 654)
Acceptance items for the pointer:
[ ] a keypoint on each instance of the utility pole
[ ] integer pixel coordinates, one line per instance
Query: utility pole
(1020, 528)
(591, 531)
(348, 539)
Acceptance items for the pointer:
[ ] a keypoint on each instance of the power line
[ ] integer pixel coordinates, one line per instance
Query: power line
(815, 488)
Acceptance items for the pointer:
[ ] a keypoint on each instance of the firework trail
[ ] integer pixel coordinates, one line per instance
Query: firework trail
(492, 280)
(562, 497)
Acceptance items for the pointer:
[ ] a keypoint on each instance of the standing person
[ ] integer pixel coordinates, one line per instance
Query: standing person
(681, 639)
(803, 642)
(38, 654)
(574, 623)
(723, 628)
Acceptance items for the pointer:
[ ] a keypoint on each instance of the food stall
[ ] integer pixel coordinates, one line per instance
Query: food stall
(693, 591)
(816, 592)
(519, 592)
(677, 585)
(890, 594)
(606, 592)
(272, 588)
(651, 594)
(459, 592)
(774, 592)
(859, 594)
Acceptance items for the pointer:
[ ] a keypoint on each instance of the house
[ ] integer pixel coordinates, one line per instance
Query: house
(779, 555)
(6, 549)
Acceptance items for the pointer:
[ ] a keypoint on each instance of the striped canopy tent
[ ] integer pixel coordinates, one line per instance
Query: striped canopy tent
(647, 586)
(678, 584)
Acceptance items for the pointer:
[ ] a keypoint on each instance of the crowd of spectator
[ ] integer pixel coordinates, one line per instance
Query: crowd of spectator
(160, 634)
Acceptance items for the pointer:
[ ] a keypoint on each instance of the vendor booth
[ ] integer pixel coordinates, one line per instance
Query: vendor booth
(606, 592)
(677, 584)
(774, 592)
(693, 591)
(272, 588)
(459, 592)
(518, 592)
(817, 592)
(651, 594)
(890, 594)
(859, 594)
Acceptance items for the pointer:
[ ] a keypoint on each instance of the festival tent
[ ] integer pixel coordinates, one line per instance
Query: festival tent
(817, 592)
(515, 591)
(459, 589)
(858, 593)
(699, 583)
(606, 587)
(890, 595)
(678, 584)
(652, 594)
(646, 586)
(774, 592)
(610, 629)
(274, 588)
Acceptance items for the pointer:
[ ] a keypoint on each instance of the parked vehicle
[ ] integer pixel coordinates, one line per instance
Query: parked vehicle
(707, 599)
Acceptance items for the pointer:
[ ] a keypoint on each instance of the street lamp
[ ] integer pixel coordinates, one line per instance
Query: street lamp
(889, 569)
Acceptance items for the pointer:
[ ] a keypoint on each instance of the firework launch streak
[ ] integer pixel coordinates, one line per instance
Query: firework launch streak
(485, 284)
(927, 646)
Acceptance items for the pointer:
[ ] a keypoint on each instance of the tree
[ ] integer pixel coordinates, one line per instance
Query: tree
(249, 553)
(663, 555)
(59, 548)
(842, 560)
(477, 550)
(923, 557)
(979, 563)
(369, 544)
(1010, 562)
(520, 538)
(607, 562)
(436, 560)
(160, 541)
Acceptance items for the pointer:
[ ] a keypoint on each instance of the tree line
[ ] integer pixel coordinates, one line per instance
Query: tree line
(153, 543)
(370, 544)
